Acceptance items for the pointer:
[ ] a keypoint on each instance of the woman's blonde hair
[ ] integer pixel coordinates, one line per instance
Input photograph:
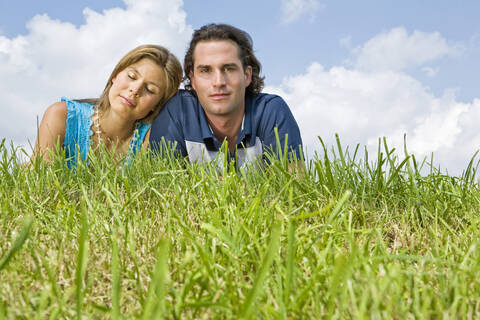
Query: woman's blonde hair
(170, 65)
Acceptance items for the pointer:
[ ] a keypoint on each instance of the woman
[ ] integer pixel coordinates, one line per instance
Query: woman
(137, 89)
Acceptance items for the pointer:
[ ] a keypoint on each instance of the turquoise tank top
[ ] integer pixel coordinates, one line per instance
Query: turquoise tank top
(78, 132)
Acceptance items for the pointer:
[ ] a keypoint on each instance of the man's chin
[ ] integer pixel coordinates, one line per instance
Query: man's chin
(217, 110)
(217, 106)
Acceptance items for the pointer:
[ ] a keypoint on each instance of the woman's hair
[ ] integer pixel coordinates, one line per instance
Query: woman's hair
(214, 32)
(170, 65)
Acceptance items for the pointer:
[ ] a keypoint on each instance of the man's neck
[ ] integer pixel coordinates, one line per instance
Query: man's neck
(226, 128)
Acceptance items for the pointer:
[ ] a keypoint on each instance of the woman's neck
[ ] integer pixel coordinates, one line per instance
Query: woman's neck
(112, 130)
(116, 127)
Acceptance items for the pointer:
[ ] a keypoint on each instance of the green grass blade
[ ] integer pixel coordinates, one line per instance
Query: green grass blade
(82, 259)
(290, 262)
(18, 243)
(116, 279)
(155, 302)
(272, 250)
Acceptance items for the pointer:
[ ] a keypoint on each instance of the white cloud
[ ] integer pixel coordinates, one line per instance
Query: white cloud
(430, 72)
(363, 105)
(292, 10)
(396, 50)
(56, 58)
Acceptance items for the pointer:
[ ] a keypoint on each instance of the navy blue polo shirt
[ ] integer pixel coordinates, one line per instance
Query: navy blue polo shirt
(183, 123)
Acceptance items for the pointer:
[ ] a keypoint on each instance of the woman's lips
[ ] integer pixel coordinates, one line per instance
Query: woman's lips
(128, 101)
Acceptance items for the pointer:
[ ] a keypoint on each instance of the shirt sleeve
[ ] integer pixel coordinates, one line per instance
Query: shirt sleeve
(166, 132)
(278, 116)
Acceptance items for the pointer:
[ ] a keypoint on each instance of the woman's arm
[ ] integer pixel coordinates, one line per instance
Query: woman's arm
(51, 132)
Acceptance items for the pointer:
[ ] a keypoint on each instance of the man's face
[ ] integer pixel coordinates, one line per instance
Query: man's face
(219, 78)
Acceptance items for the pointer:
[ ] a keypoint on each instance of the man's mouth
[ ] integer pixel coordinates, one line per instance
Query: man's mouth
(219, 96)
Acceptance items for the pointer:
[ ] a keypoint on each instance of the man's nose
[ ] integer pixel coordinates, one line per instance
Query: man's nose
(219, 78)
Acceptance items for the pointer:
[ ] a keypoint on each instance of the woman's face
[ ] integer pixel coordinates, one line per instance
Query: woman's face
(137, 90)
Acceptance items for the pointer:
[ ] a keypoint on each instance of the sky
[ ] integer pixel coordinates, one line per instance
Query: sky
(404, 70)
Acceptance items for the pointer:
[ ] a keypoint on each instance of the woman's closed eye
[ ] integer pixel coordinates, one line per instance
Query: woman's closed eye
(150, 90)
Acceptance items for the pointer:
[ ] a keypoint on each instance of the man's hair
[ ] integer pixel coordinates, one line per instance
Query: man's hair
(212, 32)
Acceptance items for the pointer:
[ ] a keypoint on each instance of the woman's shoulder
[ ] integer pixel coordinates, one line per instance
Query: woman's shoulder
(143, 133)
(75, 107)
(57, 110)
(143, 126)
(53, 124)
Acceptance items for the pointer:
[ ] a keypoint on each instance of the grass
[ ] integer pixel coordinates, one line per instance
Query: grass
(388, 237)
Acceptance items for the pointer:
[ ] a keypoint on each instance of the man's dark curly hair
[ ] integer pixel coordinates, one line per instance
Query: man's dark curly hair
(226, 32)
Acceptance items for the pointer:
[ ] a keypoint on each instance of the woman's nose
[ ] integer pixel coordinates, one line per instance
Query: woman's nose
(135, 88)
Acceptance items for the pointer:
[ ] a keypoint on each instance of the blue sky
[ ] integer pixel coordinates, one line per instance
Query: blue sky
(364, 69)
(288, 48)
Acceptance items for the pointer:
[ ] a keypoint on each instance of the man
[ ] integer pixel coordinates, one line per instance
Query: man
(222, 103)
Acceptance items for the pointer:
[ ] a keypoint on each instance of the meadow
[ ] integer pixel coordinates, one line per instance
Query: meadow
(343, 238)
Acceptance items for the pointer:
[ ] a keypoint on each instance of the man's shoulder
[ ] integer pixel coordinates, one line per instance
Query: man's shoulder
(266, 106)
(181, 119)
(183, 99)
(186, 95)
(266, 97)
(268, 100)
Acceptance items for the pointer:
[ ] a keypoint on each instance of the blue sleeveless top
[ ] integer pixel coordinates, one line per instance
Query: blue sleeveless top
(78, 132)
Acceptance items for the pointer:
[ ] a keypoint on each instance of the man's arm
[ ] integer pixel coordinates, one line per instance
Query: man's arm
(279, 119)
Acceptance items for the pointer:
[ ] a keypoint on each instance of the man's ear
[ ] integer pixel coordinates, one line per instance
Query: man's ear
(248, 75)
